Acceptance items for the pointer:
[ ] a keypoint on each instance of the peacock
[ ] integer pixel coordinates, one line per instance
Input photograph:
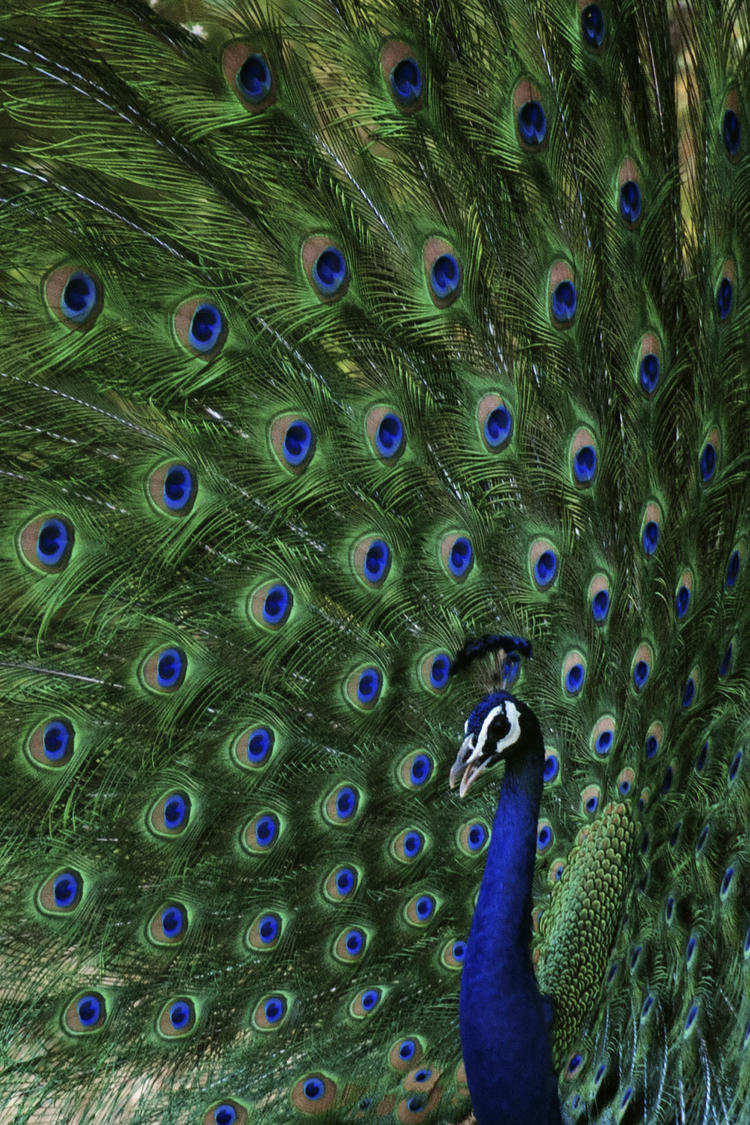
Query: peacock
(373, 562)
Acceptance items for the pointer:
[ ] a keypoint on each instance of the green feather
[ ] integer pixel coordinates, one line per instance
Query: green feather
(263, 883)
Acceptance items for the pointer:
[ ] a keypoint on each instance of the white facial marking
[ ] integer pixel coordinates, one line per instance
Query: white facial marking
(513, 715)
(472, 758)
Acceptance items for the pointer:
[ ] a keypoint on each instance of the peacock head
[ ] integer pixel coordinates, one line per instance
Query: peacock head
(497, 729)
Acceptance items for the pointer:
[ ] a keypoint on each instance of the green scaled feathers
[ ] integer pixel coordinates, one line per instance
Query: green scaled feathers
(333, 336)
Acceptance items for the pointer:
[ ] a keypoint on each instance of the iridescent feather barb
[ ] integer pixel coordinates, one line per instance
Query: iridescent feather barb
(332, 338)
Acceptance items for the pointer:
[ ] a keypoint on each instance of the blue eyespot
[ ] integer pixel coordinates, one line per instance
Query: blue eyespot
(425, 907)
(266, 828)
(574, 679)
(476, 837)
(603, 743)
(532, 124)
(389, 435)
(650, 536)
(173, 921)
(544, 838)
(170, 668)
(724, 298)
(179, 1015)
(700, 761)
(600, 605)
(66, 888)
(53, 542)
(370, 998)
(666, 784)
(498, 426)
(564, 302)
(708, 461)
(347, 801)
(79, 297)
(368, 686)
(652, 746)
(445, 276)
(269, 927)
(439, 671)
(225, 1115)
(726, 882)
(377, 561)
(688, 694)
(259, 745)
(545, 568)
(329, 271)
(89, 1010)
(735, 765)
(345, 881)
(641, 672)
(648, 372)
(592, 26)
(731, 132)
(297, 443)
(274, 1009)
(690, 949)
(420, 770)
(254, 79)
(178, 488)
(584, 464)
(733, 569)
(56, 740)
(460, 557)
(682, 602)
(551, 767)
(630, 202)
(458, 949)
(176, 810)
(206, 328)
(313, 1089)
(701, 841)
(413, 844)
(406, 81)
(574, 1063)
(354, 941)
(277, 604)
(407, 1050)
(691, 1017)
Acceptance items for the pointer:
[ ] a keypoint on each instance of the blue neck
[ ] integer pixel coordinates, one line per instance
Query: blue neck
(503, 1033)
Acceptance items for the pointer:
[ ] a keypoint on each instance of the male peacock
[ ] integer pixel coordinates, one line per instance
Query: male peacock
(337, 338)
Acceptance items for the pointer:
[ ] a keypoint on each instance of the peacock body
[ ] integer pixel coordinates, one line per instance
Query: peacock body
(334, 337)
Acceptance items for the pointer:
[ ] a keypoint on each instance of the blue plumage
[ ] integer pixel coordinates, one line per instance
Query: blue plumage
(504, 1021)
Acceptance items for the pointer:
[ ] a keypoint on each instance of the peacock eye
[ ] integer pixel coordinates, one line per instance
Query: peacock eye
(499, 727)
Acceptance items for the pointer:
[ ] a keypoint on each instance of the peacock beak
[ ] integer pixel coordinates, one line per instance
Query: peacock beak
(469, 764)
